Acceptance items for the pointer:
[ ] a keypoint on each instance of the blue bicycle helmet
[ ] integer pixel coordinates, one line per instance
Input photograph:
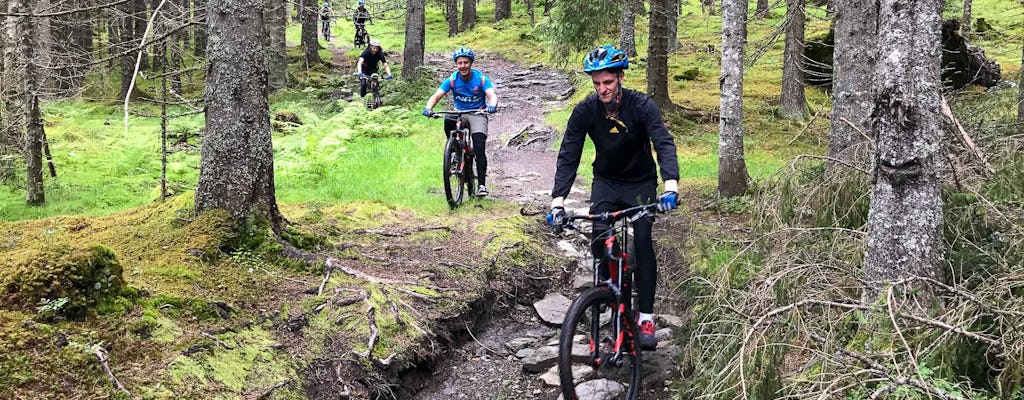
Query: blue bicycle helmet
(605, 57)
(362, 2)
(463, 51)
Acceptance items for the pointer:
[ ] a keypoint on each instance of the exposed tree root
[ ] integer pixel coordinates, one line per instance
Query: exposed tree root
(101, 356)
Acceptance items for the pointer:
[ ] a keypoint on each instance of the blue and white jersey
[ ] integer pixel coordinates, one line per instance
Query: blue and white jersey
(468, 94)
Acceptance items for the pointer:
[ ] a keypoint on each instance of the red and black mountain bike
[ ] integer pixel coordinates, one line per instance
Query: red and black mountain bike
(600, 332)
(459, 178)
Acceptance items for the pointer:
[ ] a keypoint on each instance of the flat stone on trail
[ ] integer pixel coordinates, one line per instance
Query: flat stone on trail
(582, 281)
(580, 373)
(545, 357)
(524, 353)
(515, 345)
(552, 308)
(569, 249)
(663, 334)
(600, 389)
(670, 320)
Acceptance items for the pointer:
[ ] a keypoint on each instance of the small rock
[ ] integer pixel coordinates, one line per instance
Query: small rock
(600, 389)
(582, 281)
(517, 344)
(663, 334)
(568, 249)
(670, 320)
(580, 373)
(524, 353)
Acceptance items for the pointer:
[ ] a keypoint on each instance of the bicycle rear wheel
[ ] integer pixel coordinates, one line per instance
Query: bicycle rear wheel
(586, 349)
(453, 172)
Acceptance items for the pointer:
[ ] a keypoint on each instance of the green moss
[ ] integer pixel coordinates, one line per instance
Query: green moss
(84, 276)
(250, 363)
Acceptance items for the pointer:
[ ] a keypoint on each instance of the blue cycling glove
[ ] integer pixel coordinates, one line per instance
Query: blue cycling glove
(389, 76)
(668, 201)
(556, 216)
(492, 109)
(428, 112)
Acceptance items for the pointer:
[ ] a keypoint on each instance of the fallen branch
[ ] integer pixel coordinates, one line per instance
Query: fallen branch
(218, 341)
(965, 138)
(101, 355)
(374, 333)
(402, 233)
(478, 342)
(271, 389)
(327, 277)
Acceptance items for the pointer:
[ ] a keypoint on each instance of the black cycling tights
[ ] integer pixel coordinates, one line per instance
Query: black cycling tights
(609, 196)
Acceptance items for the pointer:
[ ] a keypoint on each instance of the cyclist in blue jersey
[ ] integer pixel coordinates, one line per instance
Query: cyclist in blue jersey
(471, 90)
(625, 126)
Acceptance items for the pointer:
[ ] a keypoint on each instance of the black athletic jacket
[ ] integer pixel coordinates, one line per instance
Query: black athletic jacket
(623, 155)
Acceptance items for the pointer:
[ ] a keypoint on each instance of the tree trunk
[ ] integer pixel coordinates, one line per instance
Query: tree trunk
(530, 12)
(310, 44)
(237, 161)
(657, 55)
(161, 25)
(73, 39)
(732, 168)
(140, 19)
(627, 29)
(113, 33)
(965, 22)
(673, 25)
(854, 57)
(277, 64)
(24, 110)
(793, 103)
(905, 219)
(468, 14)
(415, 24)
(502, 9)
(126, 34)
(762, 9)
(547, 7)
(451, 13)
(200, 7)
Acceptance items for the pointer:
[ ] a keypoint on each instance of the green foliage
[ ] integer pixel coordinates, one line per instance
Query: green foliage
(576, 25)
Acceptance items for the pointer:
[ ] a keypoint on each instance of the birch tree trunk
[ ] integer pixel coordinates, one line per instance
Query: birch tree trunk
(657, 54)
(854, 58)
(502, 9)
(277, 60)
(237, 160)
(451, 14)
(732, 168)
(627, 29)
(468, 14)
(905, 219)
(415, 31)
(793, 103)
(310, 44)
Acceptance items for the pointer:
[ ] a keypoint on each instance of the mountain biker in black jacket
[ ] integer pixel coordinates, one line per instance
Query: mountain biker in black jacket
(369, 62)
(623, 124)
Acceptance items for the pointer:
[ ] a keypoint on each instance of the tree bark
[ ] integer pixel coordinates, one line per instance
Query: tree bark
(673, 25)
(657, 54)
(965, 21)
(199, 9)
(762, 9)
(468, 14)
(627, 29)
(277, 61)
(854, 58)
(451, 13)
(310, 44)
(793, 104)
(547, 7)
(237, 160)
(530, 11)
(415, 30)
(502, 9)
(732, 167)
(24, 111)
(140, 19)
(905, 219)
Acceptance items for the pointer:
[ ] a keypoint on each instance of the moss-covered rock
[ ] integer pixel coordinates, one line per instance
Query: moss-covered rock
(85, 276)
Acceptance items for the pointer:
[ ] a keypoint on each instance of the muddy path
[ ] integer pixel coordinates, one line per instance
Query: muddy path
(522, 150)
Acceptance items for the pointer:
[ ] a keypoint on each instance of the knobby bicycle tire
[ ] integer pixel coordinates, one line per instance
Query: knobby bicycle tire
(580, 317)
(452, 159)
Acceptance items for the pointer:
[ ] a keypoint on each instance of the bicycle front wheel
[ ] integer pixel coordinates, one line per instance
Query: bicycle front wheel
(588, 364)
(453, 172)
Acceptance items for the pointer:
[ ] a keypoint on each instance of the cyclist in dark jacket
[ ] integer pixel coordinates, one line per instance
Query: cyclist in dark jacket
(369, 62)
(623, 124)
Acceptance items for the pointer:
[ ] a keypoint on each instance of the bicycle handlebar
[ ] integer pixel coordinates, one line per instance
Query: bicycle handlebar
(632, 213)
(439, 114)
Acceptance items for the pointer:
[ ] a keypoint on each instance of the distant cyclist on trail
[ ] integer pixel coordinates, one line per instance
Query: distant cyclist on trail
(472, 90)
(325, 20)
(361, 16)
(623, 124)
(369, 62)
